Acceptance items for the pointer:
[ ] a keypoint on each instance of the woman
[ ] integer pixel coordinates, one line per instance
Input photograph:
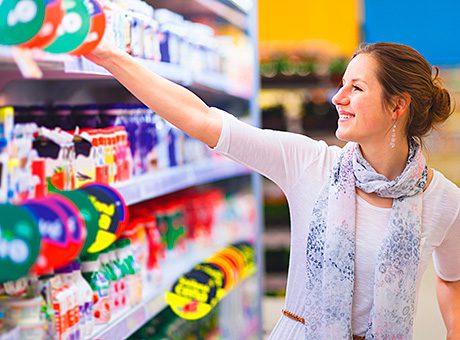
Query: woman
(366, 218)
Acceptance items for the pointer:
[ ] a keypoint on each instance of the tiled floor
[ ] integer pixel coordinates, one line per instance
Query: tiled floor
(428, 322)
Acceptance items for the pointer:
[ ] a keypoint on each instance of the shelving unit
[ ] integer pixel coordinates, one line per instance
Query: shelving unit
(55, 67)
(55, 71)
(128, 321)
(163, 182)
(225, 11)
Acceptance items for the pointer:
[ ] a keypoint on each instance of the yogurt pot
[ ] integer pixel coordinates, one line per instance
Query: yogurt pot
(20, 311)
(32, 331)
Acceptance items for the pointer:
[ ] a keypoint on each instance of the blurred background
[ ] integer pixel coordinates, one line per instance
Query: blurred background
(275, 65)
(304, 49)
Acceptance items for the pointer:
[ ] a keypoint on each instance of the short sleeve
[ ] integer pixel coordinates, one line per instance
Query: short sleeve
(446, 256)
(280, 156)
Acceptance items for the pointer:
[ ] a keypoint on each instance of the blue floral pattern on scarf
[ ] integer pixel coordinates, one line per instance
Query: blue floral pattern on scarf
(330, 249)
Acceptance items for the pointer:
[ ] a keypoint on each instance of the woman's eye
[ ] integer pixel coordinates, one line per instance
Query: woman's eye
(357, 88)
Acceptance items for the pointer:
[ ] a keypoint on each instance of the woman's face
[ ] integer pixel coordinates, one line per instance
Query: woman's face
(363, 117)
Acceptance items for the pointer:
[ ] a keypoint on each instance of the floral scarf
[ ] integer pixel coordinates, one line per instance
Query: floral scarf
(331, 249)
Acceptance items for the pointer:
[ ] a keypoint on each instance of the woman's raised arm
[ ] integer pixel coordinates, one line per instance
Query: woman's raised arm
(176, 104)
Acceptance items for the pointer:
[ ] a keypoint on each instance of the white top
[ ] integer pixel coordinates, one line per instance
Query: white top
(300, 166)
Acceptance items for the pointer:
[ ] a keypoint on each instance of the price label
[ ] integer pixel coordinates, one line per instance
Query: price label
(155, 305)
(20, 20)
(132, 323)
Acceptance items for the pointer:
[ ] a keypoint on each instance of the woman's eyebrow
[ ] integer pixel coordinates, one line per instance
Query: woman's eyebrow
(354, 80)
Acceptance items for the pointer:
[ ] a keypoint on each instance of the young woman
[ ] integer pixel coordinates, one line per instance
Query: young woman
(365, 219)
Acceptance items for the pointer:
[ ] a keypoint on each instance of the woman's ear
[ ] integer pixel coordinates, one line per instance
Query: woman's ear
(401, 105)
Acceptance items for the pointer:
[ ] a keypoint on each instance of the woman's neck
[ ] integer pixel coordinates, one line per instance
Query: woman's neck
(389, 162)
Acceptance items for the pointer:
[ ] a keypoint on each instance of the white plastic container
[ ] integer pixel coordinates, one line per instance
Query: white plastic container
(87, 299)
(19, 311)
(61, 307)
(33, 331)
(77, 323)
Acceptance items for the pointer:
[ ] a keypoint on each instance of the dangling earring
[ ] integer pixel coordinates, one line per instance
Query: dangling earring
(393, 137)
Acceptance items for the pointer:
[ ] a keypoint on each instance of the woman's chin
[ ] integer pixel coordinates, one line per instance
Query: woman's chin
(341, 135)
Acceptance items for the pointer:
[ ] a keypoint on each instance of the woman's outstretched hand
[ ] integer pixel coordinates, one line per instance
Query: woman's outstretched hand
(102, 52)
(171, 101)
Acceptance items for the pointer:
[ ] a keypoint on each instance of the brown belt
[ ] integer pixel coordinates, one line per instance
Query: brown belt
(293, 316)
(302, 320)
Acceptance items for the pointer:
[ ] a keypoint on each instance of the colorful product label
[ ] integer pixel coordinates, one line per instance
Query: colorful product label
(101, 305)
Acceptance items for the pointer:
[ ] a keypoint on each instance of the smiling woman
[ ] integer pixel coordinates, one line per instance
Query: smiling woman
(355, 267)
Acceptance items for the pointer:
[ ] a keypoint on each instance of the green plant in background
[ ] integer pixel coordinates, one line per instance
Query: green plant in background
(268, 68)
(337, 68)
(288, 65)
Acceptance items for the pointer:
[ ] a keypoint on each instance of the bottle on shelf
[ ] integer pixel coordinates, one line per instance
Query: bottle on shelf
(75, 301)
(86, 296)
(100, 286)
(133, 276)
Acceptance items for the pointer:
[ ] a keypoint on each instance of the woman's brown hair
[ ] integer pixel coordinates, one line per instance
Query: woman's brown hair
(404, 70)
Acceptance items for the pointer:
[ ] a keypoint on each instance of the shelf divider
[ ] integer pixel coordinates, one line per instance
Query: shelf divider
(166, 181)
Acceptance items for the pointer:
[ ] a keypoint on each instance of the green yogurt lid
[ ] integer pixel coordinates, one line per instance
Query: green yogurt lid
(20, 20)
(19, 242)
(73, 29)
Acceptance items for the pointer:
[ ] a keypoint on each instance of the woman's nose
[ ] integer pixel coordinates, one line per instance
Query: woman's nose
(341, 97)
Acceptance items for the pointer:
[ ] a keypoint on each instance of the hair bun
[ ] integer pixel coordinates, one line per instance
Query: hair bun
(441, 103)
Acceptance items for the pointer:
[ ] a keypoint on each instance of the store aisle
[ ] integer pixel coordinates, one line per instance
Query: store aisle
(271, 311)
(428, 322)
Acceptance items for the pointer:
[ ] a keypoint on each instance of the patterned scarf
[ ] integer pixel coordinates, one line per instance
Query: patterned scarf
(331, 249)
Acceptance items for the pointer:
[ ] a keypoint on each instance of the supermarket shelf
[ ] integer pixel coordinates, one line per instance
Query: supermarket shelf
(217, 83)
(12, 334)
(227, 11)
(163, 182)
(129, 320)
(310, 80)
(41, 65)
